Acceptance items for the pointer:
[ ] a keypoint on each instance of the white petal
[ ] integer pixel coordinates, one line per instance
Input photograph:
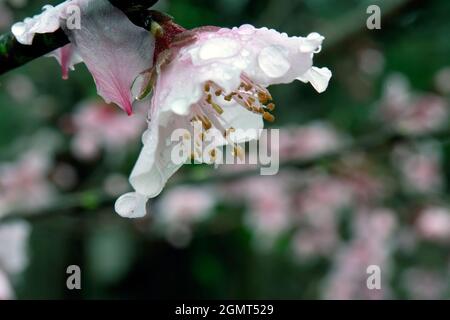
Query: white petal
(131, 205)
(246, 123)
(47, 21)
(273, 61)
(318, 77)
(154, 165)
(311, 43)
(219, 48)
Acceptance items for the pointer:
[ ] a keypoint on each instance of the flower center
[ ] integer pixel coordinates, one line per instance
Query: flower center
(210, 108)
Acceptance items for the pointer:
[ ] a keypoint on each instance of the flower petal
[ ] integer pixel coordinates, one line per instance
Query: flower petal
(47, 21)
(114, 50)
(131, 205)
(154, 165)
(318, 77)
(67, 58)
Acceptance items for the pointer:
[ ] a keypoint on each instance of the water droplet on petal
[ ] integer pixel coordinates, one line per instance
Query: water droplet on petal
(246, 29)
(273, 61)
(180, 107)
(142, 86)
(219, 48)
(245, 53)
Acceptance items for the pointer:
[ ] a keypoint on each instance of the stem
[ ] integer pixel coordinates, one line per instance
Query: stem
(14, 54)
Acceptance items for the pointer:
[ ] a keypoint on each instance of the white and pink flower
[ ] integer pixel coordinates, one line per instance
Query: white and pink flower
(213, 76)
(217, 77)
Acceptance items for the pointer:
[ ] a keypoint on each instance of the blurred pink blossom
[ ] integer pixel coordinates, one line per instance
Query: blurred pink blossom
(269, 207)
(410, 112)
(308, 141)
(433, 223)
(370, 245)
(180, 208)
(322, 197)
(420, 166)
(24, 184)
(98, 125)
(313, 242)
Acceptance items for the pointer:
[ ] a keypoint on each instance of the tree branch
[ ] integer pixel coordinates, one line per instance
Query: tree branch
(14, 54)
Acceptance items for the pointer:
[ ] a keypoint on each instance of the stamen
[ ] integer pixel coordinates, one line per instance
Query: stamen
(258, 110)
(262, 97)
(251, 99)
(251, 96)
(228, 97)
(216, 107)
(206, 122)
(268, 117)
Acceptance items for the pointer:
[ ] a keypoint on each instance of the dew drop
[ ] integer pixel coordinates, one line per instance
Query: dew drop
(273, 61)
(219, 48)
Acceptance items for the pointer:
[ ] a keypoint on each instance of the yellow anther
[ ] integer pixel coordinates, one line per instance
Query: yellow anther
(268, 117)
(156, 29)
(229, 96)
(206, 122)
(271, 106)
(216, 107)
(263, 98)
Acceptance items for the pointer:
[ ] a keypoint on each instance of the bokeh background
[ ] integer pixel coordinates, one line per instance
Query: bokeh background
(364, 180)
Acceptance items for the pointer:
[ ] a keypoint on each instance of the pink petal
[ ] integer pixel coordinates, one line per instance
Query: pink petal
(67, 58)
(114, 50)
